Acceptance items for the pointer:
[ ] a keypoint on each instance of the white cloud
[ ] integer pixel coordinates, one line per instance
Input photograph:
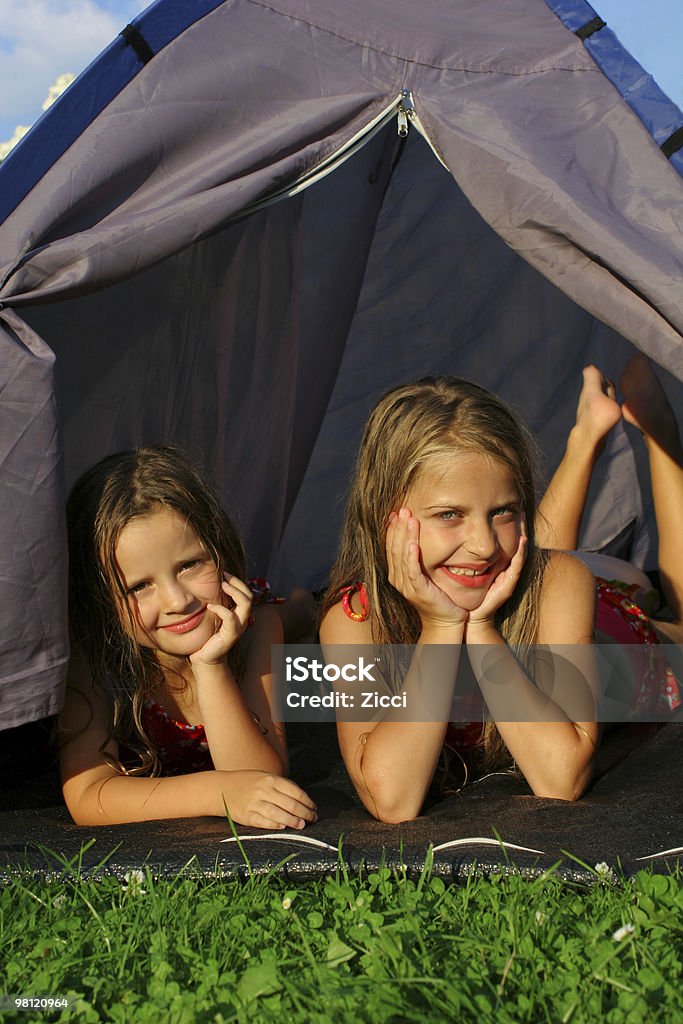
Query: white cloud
(42, 39)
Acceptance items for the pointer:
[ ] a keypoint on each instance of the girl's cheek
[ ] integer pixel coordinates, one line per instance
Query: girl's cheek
(208, 577)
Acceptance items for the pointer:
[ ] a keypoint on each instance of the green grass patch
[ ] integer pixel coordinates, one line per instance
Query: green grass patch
(370, 948)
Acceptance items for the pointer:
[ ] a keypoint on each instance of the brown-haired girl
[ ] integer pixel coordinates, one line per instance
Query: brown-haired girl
(439, 550)
(168, 711)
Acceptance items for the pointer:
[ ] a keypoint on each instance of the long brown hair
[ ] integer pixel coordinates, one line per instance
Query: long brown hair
(103, 501)
(412, 426)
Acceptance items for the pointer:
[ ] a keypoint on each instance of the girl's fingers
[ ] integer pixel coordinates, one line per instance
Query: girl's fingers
(415, 574)
(521, 551)
(233, 620)
(237, 586)
(295, 794)
(402, 533)
(240, 594)
(271, 817)
(395, 544)
(237, 601)
(283, 811)
(293, 809)
(508, 578)
(220, 611)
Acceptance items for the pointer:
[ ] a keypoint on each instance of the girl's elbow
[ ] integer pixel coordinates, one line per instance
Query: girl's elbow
(80, 810)
(394, 814)
(388, 803)
(570, 790)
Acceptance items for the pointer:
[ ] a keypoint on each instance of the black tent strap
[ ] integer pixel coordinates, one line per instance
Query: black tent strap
(673, 143)
(594, 25)
(675, 140)
(135, 38)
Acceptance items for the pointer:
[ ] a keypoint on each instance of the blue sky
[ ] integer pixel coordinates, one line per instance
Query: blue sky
(41, 39)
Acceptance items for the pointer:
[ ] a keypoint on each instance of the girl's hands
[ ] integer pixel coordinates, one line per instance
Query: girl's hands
(500, 590)
(232, 620)
(432, 604)
(260, 800)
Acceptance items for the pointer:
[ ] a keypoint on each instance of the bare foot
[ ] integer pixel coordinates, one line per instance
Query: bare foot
(597, 411)
(645, 404)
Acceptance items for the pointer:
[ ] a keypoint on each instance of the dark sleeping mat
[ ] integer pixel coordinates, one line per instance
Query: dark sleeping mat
(631, 818)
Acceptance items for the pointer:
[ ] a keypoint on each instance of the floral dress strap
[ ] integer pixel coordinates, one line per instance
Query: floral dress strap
(347, 593)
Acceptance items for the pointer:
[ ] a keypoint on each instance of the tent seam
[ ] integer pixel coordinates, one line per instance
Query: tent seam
(413, 60)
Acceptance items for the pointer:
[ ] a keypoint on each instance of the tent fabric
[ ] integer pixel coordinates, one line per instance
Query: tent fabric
(151, 283)
(95, 87)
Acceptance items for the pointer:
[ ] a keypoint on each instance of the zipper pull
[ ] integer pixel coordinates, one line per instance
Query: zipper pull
(406, 109)
(402, 123)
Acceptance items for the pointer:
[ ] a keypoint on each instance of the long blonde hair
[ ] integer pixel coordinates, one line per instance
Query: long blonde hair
(410, 427)
(103, 501)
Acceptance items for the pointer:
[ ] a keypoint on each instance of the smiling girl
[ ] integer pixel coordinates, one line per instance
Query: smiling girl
(439, 551)
(168, 711)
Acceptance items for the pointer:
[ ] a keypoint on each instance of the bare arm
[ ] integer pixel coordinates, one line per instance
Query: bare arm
(392, 762)
(96, 794)
(236, 740)
(555, 743)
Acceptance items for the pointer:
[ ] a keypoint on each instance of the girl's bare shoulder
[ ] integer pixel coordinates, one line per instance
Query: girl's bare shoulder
(567, 601)
(564, 569)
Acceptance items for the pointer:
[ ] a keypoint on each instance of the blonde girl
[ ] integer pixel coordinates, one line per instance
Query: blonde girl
(439, 550)
(169, 705)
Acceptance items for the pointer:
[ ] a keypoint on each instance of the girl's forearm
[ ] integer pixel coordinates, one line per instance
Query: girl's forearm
(395, 765)
(236, 741)
(118, 799)
(395, 762)
(550, 733)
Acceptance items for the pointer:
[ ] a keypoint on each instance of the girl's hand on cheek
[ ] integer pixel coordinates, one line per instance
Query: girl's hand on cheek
(232, 620)
(406, 574)
(500, 590)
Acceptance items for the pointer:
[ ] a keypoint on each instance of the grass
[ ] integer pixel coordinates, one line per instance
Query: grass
(375, 948)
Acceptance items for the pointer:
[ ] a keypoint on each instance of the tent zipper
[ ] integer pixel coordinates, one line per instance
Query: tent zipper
(331, 162)
(402, 107)
(407, 114)
(406, 109)
(355, 143)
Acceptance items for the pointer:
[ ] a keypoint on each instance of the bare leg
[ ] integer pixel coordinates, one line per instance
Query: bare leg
(559, 513)
(647, 408)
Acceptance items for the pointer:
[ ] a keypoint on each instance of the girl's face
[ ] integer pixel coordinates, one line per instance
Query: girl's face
(470, 517)
(169, 580)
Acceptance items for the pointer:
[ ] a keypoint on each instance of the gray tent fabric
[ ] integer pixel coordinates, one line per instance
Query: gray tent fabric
(153, 289)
